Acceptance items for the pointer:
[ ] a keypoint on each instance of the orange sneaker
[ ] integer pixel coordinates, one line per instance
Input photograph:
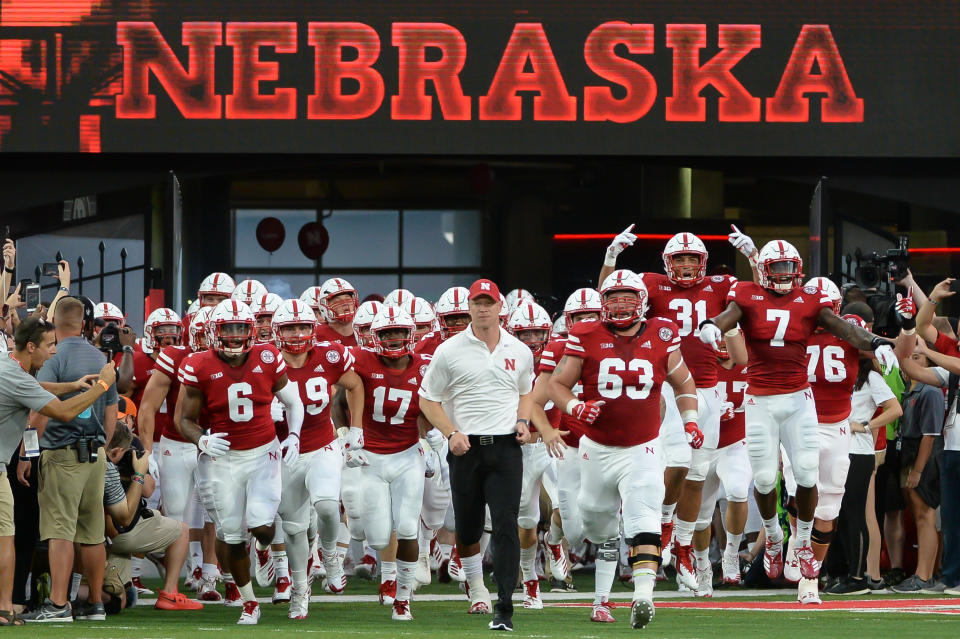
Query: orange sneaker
(175, 601)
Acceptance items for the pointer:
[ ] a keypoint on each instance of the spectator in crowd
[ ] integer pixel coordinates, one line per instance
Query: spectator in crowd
(921, 442)
(133, 528)
(20, 393)
(72, 468)
(857, 527)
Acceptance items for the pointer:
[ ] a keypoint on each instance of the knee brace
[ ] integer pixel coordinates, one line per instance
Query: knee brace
(609, 550)
(635, 557)
(644, 539)
(820, 537)
(765, 481)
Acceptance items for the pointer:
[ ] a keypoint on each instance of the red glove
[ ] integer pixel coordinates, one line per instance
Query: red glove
(694, 436)
(906, 307)
(728, 410)
(587, 412)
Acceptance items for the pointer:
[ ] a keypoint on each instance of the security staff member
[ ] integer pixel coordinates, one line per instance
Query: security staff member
(483, 377)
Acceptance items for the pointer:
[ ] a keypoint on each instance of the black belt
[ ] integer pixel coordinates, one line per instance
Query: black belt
(488, 440)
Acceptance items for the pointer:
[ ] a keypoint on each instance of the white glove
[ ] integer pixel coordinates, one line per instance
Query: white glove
(276, 410)
(290, 447)
(431, 464)
(620, 242)
(214, 444)
(356, 458)
(742, 242)
(354, 439)
(886, 357)
(435, 438)
(710, 334)
(154, 468)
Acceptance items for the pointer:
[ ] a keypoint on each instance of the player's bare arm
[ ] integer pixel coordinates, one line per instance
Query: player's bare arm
(153, 395)
(565, 375)
(352, 387)
(736, 347)
(684, 388)
(339, 409)
(851, 333)
(727, 320)
(550, 435)
(187, 413)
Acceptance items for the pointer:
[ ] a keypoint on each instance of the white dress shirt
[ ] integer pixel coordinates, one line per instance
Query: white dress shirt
(480, 390)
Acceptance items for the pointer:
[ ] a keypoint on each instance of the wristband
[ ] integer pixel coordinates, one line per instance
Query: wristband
(877, 342)
(297, 435)
(573, 403)
(704, 323)
(526, 422)
(7, 269)
(609, 260)
(689, 416)
(452, 434)
(22, 458)
(128, 349)
(733, 332)
(64, 289)
(103, 385)
(909, 331)
(138, 479)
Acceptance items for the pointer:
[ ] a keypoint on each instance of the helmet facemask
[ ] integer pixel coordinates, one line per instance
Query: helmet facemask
(685, 269)
(534, 338)
(393, 342)
(264, 328)
(294, 337)
(166, 334)
(232, 338)
(453, 323)
(341, 307)
(623, 308)
(782, 276)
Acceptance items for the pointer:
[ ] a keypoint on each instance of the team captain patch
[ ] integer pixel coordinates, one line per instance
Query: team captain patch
(267, 357)
(333, 357)
(666, 334)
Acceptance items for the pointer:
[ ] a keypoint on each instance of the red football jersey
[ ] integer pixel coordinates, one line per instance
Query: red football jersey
(734, 384)
(326, 363)
(391, 403)
(323, 333)
(687, 307)
(549, 358)
(832, 372)
(626, 373)
(237, 399)
(946, 345)
(777, 329)
(428, 344)
(143, 366)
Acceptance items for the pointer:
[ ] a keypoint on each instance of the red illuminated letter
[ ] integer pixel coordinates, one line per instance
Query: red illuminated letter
(690, 77)
(329, 39)
(599, 54)
(412, 102)
(249, 71)
(145, 50)
(528, 44)
(841, 104)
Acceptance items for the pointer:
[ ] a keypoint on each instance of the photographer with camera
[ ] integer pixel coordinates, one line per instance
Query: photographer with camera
(132, 527)
(72, 469)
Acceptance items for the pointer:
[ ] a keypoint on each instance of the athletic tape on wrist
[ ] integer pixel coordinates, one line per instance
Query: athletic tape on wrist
(689, 416)
(573, 403)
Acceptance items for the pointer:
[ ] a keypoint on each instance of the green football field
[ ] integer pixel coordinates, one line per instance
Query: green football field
(358, 614)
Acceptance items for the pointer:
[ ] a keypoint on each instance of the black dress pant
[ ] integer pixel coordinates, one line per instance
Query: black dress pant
(26, 518)
(852, 522)
(490, 473)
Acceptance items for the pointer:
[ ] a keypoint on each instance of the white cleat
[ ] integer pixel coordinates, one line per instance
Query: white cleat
(265, 571)
(558, 561)
(791, 565)
(423, 576)
(731, 570)
(531, 595)
(299, 603)
(401, 611)
(704, 582)
(250, 615)
(335, 584)
(808, 592)
(480, 602)
(282, 591)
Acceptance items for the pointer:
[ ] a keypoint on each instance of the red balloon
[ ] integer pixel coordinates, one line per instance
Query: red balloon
(270, 234)
(313, 239)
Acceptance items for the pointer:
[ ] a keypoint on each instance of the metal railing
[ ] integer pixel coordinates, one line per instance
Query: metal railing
(80, 277)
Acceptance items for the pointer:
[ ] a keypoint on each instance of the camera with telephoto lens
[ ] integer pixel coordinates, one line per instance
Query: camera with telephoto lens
(876, 267)
(109, 341)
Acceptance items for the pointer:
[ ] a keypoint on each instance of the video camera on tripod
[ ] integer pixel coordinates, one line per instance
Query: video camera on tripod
(875, 268)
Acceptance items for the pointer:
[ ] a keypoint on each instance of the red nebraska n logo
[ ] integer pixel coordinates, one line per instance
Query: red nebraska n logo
(509, 364)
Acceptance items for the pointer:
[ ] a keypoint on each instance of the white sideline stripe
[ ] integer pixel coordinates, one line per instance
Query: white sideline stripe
(546, 596)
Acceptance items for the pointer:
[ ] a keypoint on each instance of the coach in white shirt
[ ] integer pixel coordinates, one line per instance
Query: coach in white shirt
(483, 377)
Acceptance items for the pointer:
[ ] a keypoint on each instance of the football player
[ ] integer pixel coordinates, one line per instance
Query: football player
(399, 297)
(363, 320)
(622, 362)
(582, 305)
(387, 446)
(832, 372)
(312, 482)
(530, 323)
(778, 316)
(248, 291)
(235, 380)
(423, 316)
(453, 315)
(263, 309)
(685, 295)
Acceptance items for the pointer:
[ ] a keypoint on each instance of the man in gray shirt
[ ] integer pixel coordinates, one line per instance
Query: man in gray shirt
(19, 394)
(72, 466)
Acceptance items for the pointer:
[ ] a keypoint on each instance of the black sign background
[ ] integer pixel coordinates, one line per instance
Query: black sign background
(902, 59)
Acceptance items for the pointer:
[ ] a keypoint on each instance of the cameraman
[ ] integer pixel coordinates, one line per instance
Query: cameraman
(19, 393)
(134, 528)
(117, 343)
(72, 470)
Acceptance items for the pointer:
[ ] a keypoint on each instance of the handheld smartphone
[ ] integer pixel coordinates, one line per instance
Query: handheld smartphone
(50, 269)
(31, 295)
(955, 286)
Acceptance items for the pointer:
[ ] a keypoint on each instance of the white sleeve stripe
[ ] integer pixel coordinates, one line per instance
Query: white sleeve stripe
(574, 347)
(167, 367)
(282, 366)
(188, 367)
(547, 360)
(573, 338)
(164, 357)
(672, 348)
(189, 378)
